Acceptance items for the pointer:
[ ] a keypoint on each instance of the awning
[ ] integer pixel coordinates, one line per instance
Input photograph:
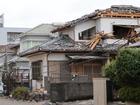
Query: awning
(76, 57)
(18, 59)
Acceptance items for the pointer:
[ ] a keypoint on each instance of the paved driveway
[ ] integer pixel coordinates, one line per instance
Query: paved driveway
(6, 101)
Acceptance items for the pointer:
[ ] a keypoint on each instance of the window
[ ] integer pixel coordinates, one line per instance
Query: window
(92, 70)
(29, 44)
(35, 43)
(87, 34)
(26, 45)
(36, 70)
(120, 31)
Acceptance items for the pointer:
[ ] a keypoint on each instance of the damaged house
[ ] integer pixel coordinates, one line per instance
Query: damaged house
(69, 56)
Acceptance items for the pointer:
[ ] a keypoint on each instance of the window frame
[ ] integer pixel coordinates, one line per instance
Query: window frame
(37, 70)
(87, 34)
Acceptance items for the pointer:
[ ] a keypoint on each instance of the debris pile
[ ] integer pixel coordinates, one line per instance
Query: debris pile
(98, 38)
(131, 37)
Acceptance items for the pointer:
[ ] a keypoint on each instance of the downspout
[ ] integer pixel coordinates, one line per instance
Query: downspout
(48, 73)
(47, 55)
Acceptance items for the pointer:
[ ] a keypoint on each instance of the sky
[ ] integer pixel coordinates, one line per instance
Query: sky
(30, 13)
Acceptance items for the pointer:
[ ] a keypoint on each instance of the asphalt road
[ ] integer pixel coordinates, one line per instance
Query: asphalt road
(7, 101)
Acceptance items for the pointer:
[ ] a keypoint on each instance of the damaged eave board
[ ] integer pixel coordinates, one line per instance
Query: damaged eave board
(86, 57)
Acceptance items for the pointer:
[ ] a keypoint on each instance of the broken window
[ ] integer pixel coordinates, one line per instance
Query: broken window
(36, 70)
(87, 34)
(121, 31)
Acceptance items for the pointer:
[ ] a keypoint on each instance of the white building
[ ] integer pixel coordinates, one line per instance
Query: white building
(10, 35)
(36, 36)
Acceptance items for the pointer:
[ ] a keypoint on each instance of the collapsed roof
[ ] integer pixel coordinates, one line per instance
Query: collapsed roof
(124, 11)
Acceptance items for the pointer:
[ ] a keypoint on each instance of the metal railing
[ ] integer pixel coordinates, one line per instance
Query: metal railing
(59, 78)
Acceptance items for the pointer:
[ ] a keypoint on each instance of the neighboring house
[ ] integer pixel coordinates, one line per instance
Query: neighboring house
(20, 66)
(10, 35)
(68, 54)
(11, 62)
(61, 60)
(5, 54)
(36, 36)
(1, 20)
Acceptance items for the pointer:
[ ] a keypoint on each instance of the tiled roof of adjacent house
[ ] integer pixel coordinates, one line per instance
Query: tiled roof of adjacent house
(64, 43)
(124, 11)
(18, 59)
(6, 48)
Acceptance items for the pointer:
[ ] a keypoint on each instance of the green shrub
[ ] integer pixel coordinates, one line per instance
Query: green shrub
(110, 70)
(20, 92)
(125, 72)
(130, 94)
(128, 66)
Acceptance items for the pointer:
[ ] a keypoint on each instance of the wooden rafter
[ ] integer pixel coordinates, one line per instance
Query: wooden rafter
(97, 38)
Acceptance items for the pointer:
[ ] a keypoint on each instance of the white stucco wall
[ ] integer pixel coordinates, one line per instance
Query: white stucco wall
(30, 40)
(107, 23)
(98, 25)
(57, 57)
(43, 57)
(70, 32)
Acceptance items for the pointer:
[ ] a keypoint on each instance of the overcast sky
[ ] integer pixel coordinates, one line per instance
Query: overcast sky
(30, 13)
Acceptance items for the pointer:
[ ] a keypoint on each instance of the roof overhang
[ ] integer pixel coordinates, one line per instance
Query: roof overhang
(48, 51)
(78, 57)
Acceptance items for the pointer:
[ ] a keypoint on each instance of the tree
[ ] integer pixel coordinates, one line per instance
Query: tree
(125, 72)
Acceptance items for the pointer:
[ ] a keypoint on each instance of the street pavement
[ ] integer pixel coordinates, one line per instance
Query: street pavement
(7, 101)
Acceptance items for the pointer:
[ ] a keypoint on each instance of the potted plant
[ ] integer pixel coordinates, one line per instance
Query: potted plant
(125, 72)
